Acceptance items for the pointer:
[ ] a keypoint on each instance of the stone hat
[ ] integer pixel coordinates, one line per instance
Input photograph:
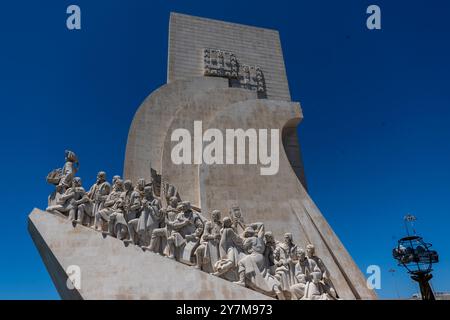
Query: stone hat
(186, 205)
(248, 232)
(101, 174)
(227, 221)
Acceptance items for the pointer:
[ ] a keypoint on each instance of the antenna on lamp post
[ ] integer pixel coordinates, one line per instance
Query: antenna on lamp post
(409, 221)
(392, 271)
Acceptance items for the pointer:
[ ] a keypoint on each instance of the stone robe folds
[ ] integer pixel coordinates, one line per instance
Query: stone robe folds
(53, 199)
(98, 194)
(135, 206)
(186, 224)
(67, 203)
(67, 173)
(108, 205)
(208, 250)
(231, 246)
(310, 284)
(256, 268)
(285, 267)
(149, 220)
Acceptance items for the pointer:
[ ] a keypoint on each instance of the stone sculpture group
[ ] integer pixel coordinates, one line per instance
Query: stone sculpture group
(226, 247)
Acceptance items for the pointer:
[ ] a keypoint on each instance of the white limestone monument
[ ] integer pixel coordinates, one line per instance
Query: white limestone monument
(213, 201)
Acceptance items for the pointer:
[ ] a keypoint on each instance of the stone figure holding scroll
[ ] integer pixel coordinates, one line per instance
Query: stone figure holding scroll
(285, 253)
(98, 193)
(102, 216)
(207, 254)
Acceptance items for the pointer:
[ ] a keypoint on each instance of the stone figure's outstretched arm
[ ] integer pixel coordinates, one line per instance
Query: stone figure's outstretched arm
(179, 223)
(66, 196)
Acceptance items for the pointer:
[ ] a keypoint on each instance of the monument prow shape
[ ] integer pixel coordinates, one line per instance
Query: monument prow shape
(109, 270)
(203, 86)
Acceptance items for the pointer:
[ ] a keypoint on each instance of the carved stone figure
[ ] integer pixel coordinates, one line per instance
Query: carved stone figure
(231, 250)
(115, 178)
(53, 198)
(63, 205)
(74, 202)
(117, 226)
(134, 210)
(149, 195)
(118, 222)
(158, 214)
(187, 229)
(149, 219)
(207, 253)
(285, 265)
(172, 208)
(70, 168)
(84, 205)
(135, 199)
(126, 195)
(169, 191)
(253, 268)
(98, 193)
(269, 252)
(102, 216)
(303, 274)
(65, 174)
(322, 281)
(158, 242)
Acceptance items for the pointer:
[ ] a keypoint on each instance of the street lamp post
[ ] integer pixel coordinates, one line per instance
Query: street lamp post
(392, 271)
(415, 256)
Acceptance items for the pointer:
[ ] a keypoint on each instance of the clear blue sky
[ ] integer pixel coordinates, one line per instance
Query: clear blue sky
(375, 136)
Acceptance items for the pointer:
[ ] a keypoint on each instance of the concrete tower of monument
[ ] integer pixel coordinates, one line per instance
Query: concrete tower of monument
(224, 76)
